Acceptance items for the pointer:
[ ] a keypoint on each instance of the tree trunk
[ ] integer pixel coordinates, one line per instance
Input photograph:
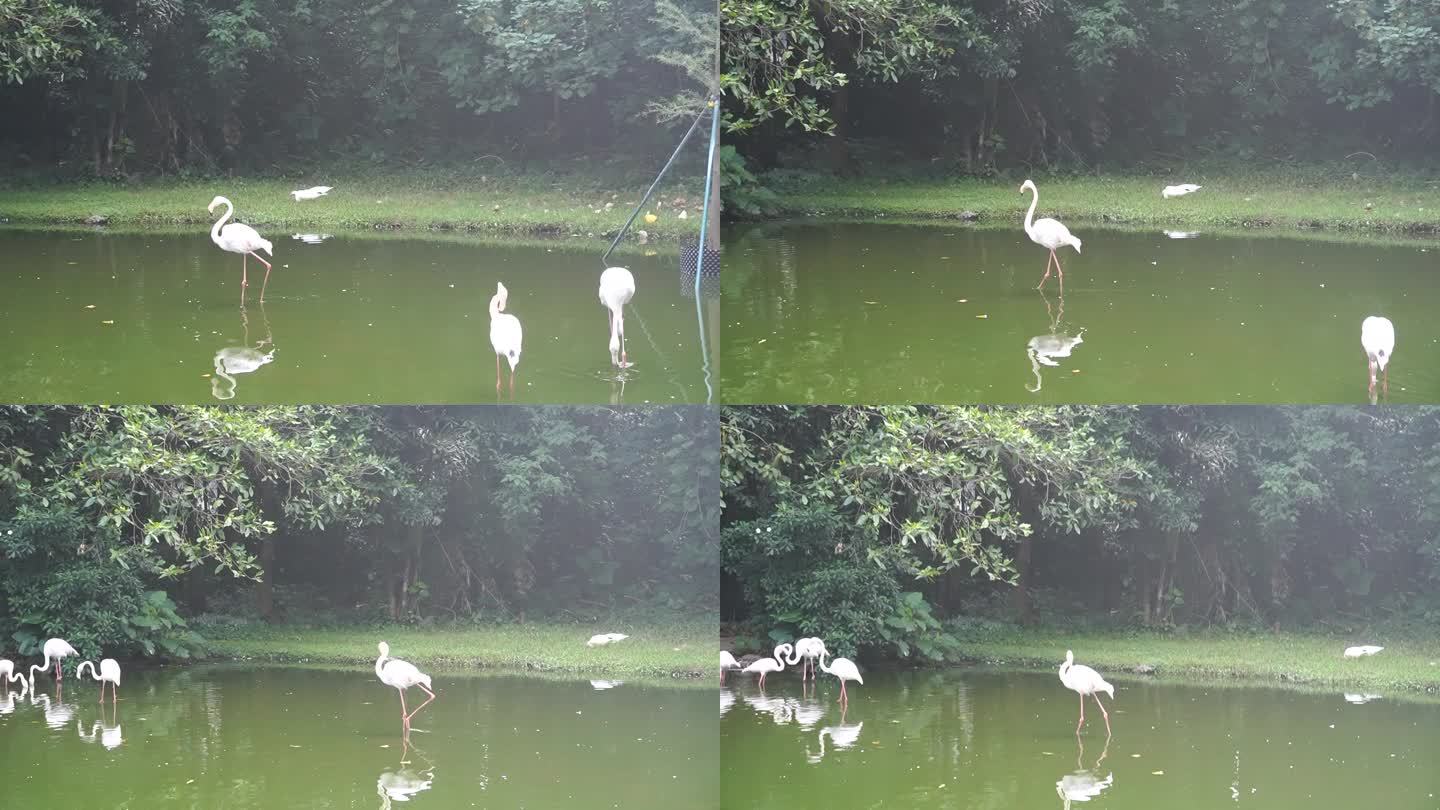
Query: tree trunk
(264, 590)
(1020, 598)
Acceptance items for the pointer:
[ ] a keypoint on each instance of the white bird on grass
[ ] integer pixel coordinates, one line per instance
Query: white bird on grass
(605, 638)
(311, 193)
(1180, 190)
(845, 670)
(765, 666)
(617, 287)
(109, 673)
(1084, 681)
(238, 237)
(1362, 651)
(505, 335)
(59, 649)
(727, 661)
(1377, 336)
(1047, 233)
(402, 675)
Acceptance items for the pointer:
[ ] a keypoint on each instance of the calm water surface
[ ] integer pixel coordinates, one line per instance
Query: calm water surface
(973, 739)
(866, 313)
(146, 318)
(278, 737)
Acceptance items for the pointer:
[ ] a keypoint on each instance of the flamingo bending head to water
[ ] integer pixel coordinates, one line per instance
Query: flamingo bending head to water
(59, 649)
(617, 287)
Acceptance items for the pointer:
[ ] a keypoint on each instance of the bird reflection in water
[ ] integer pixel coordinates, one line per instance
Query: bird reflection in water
(233, 360)
(1360, 698)
(58, 713)
(602, 685)
(727, 700)
(403, 784)
(1044, 350)
(108, 733)
(1084, 784)
(842, 736)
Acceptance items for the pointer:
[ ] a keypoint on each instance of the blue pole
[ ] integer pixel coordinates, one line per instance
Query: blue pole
(700, 247)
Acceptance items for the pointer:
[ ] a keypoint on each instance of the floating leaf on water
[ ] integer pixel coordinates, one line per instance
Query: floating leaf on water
(89, 306)
(1134, 756)
(983, 317)
(107, 322)
(962, 300)
(1157, 773)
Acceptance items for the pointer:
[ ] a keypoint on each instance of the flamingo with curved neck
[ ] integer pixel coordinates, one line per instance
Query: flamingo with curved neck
(1047, 233)
(239, 238)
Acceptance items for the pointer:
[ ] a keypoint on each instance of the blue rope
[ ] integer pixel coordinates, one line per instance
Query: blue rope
(700, 246)
(605, 260)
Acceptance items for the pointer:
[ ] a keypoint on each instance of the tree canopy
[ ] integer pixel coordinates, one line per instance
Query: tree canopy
(116, 522)
(1085, 82)
(172, 86)
(1150, 516)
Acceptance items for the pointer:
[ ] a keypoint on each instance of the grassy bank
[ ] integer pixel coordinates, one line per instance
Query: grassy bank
(1274, 658)
(1311, 200)
(510, 205)
(679, 650)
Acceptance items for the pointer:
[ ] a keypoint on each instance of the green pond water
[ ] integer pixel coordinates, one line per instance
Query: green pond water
(156, 317)
(982, 739)
(881, 313)
(285, 737)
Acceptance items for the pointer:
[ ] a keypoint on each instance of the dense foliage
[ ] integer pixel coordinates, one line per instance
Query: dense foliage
(846, 522)
(1077, 83)
(165, 86)
(109, 517)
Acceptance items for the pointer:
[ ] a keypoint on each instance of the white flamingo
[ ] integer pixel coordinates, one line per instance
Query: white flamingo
(1362, 651)
(601, 639)
(765, 666)
(240, 238)
(1047, 233)
(402, 675)
(311, 193)
(505, 334)
(59, 649)
(807, 650)
(8, 675)
(617, 287)
(727, 661)
(109, 673)
(1377, 335)
(1084, 681)
(1180, 190)
(845, 670)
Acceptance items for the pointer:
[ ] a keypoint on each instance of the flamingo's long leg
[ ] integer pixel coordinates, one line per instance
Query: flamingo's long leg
(1102, 711)
(422, 705)
(1059, 270)
(497, 372)
(1047, 271)
(244, 271)
(1082, 714)
(267, 277)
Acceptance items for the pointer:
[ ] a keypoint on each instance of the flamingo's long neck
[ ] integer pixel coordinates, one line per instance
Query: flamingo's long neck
(497, 305)
(1030, 215)
(215, 231)
(823, 666)
(380, 665)
(41, 667)
(80, 670)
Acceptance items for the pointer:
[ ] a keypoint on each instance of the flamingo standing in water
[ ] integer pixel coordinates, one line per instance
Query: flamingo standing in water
(1084, 681)
(505, 334)
(806, 651)
(1047, 233)
(765, 666)
(727, 661)
(1377, 335)
(109, 673)
(59, 649)
(8, 675)
(402, 675)
(617, 287)
(240, 238)
(845, 670)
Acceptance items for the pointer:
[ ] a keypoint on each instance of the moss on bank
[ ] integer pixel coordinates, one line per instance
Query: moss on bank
(1310, 200)
(520, 206)
(681, 650)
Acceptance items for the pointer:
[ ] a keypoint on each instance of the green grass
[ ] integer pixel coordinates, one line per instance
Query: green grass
(507, 205)
(681, 650)
(1309, 200)
(1273, 658)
